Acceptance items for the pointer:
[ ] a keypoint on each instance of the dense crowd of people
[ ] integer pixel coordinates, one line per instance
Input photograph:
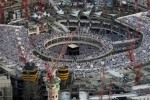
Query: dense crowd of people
(141, 54)
(105, 45)
(13, 36)
(141, 23)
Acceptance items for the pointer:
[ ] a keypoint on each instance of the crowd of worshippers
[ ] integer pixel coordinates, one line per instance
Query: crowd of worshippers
(105, 44)
(141, 23)
(9, 42)
(9, 48)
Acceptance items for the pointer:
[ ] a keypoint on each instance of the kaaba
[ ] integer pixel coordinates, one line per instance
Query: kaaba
(72, 49)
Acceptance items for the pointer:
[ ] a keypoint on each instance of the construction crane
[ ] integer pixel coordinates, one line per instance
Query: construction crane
(103, 82)
(54, 64)
(21, 53)
(29, 76)
(39, 4)
(136, 5)
(2, 11)
(10, 3)
(49, 75)
(24, 54)
(110, 90)
(131, 46)
(148, 4)
(24, 8)
(31, 44)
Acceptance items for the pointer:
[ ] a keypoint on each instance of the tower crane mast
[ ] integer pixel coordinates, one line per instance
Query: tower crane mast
(22, 53)
(148, 4)
(110, 90)
(136, 5)
(24, 8)
(49, 75)
(39, 4)
(2, 11)
(103, 83)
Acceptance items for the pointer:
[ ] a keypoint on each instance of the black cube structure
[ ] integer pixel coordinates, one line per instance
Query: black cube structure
(72, 49)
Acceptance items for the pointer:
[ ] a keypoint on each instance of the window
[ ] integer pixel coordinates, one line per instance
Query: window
(1, 93)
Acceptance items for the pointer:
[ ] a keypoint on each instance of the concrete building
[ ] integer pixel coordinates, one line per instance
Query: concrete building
(109, 57)
(5, 88)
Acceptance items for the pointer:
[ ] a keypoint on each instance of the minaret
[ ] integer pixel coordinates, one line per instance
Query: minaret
(55, 86)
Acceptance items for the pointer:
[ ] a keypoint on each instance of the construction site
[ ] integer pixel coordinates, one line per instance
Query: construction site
(74, 49)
